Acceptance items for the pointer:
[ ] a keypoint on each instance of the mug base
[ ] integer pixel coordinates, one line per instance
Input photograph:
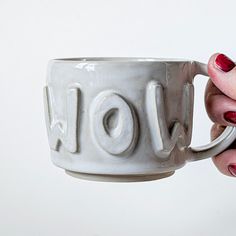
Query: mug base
(118, 178)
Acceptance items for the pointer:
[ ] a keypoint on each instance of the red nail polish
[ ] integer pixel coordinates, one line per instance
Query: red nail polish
(230, 116)
(224, 63)
(232, 169)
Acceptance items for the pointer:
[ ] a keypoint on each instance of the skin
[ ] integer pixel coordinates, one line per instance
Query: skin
(220, 97)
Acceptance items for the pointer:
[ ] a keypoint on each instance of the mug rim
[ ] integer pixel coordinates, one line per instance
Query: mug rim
(119, 59)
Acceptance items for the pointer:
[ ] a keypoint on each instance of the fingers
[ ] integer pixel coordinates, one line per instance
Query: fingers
(225, 161)
(222, 71)
(220, 101)
(220, 108)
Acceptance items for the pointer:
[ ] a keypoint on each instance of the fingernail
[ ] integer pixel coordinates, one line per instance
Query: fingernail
(232, 169)
(224, 63)
(230, 116)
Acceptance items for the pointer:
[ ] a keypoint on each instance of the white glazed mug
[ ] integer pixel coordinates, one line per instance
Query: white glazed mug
(124, 119)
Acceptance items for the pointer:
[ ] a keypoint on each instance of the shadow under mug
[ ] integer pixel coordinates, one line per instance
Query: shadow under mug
(124, 119)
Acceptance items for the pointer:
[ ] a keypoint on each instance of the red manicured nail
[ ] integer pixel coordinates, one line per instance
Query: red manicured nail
(232, 169)
(224, 63)
(230, 116)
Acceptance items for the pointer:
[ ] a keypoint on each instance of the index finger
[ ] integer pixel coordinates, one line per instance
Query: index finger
(222, 71)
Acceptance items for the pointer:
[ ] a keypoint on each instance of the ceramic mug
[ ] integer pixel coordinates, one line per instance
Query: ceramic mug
(124, 119)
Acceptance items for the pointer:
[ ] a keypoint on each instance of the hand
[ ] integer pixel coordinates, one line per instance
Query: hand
(220, 100)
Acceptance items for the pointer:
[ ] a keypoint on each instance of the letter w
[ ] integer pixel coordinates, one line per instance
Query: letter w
(62, 131)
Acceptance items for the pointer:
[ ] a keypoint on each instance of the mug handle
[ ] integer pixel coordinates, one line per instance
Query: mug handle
(220, 143)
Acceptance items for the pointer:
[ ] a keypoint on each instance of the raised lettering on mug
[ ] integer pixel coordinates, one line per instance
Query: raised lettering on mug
(162, 141)
(63, 131)
(113, 123)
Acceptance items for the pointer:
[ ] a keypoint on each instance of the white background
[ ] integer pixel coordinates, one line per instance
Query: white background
(37, 198)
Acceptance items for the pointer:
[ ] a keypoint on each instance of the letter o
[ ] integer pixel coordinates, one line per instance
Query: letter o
(114, 123)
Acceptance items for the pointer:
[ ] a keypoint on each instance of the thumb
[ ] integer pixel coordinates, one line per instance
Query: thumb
(222, 71)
